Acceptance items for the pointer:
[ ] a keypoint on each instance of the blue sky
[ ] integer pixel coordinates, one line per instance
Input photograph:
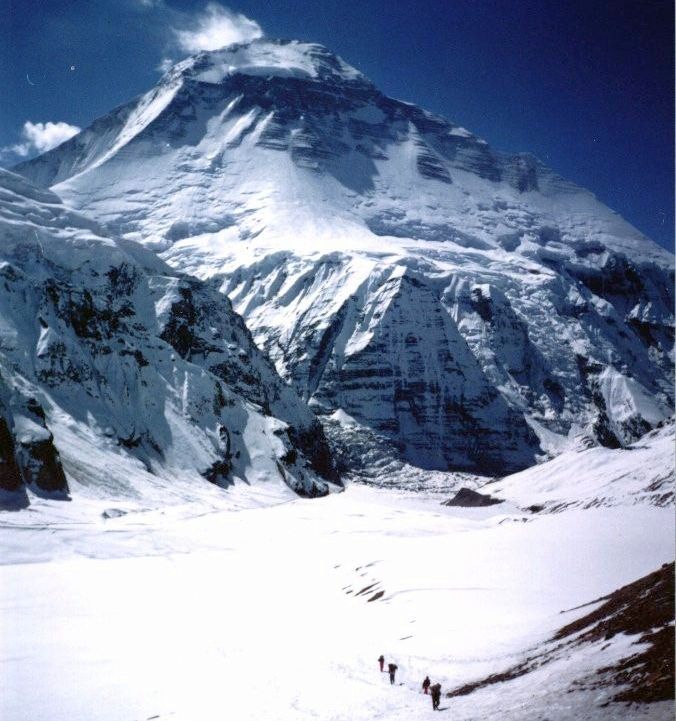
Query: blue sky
(588, 87)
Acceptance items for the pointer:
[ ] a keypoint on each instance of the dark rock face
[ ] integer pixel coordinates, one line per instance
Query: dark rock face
(28, 456)
(41, 466)
(219, 473)
(467, 498)
(314, 444)
(37, 455)
(204, 330)
(10, 476)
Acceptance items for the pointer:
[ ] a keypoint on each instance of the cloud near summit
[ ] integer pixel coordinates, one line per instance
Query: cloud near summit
(216, 27)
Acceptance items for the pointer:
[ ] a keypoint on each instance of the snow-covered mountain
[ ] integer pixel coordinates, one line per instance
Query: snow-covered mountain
(124, 378)
(431, 298)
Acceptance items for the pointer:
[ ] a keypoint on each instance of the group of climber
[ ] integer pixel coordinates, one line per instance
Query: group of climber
(434, 690)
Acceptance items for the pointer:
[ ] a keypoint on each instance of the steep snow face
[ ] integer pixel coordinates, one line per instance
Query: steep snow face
(467, 308)
(119, 376)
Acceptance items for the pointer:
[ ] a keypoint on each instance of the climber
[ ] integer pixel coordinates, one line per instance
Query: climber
(435, 690)
(381, 661)
(392, 668)
(426, 684)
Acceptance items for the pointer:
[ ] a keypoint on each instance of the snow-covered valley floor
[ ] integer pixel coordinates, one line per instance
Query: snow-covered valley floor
(254, 613)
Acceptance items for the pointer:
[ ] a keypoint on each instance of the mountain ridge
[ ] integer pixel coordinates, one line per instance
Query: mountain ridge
(120, 377)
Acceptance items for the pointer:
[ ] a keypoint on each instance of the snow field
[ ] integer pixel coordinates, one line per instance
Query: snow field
(244, 614)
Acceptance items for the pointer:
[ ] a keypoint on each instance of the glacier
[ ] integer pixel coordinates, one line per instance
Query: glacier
(258, 610)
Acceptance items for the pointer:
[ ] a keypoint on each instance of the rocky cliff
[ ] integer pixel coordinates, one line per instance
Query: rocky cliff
(119, 374)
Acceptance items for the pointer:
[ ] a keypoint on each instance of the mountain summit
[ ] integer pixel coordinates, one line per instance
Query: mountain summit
(434, 300)
(306, 61)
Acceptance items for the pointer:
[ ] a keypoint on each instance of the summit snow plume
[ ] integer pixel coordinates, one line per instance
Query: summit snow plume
(215, 28)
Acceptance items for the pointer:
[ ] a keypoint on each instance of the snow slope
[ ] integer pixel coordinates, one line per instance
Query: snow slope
(136, 381)
(470, 309)
(641, 473)
(204, 613)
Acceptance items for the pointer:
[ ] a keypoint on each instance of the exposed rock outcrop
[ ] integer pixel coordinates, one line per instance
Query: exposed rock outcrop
(467, 498)
(644, 610)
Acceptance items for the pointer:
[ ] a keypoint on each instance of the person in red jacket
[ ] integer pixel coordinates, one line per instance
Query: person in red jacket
(381, 661)
(426, 684)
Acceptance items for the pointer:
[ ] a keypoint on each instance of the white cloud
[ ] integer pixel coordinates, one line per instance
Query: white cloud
(45, 136)
(41, 137)
(216, 27)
